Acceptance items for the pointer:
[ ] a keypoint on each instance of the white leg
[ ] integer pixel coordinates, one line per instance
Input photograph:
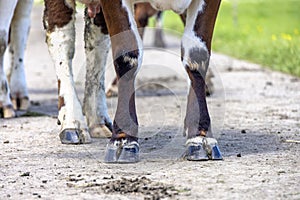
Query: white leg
(20, 26)
(6, 13)
(61, 47)
(97, 45)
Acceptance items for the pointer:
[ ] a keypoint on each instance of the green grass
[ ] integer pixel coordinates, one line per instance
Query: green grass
(262, 31)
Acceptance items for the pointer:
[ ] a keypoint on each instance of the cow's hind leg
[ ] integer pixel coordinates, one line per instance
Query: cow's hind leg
(20, 26)
(127, 54)
(6, 13)
(196, 45)
(59, 19)
(97, 44)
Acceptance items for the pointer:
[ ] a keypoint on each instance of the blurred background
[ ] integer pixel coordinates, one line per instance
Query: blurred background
(266, 32)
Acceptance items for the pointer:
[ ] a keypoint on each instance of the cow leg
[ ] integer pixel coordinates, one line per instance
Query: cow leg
(59, 16)
(6, 13)
(196, 45)
(142, 13)
(97, 44)
(127, 54)
(20, 26)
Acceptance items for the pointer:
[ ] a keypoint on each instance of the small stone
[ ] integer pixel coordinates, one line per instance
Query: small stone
(269, 83)
(243, 131)
(239, 155)
(25, 174)
(44, 181)
(6, 142)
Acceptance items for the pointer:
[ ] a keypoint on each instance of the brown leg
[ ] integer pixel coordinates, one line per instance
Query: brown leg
(196, 46)
(127, 54)
(142, 12)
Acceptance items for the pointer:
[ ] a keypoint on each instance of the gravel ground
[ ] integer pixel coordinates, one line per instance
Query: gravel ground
(256, 119)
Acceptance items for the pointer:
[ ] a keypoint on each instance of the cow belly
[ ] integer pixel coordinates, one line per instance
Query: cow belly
(178, 6)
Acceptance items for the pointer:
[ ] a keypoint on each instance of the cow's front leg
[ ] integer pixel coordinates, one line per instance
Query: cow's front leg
(196, 45)
(59, 22)
(127, 54)
(97, 44)
(19, 30)
(6, 13)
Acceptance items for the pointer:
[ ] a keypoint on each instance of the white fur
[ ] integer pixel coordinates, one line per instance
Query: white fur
(19, 32)
(61, 48)
(189, 39)
(14, 14)
(128, 5)
(95, 107)
(178, 6)
(6, 13)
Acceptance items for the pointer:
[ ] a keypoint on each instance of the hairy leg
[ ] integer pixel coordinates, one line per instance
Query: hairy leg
(196, 45)
(6, 14)
(97, 44)
(20, 26)
(59, 19)
(127, 54)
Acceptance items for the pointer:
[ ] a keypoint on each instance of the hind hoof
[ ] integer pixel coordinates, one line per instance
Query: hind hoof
(8, 112)
(101, 131)
(112, 91)
(21, 103)
(122, 151)
(74, 136)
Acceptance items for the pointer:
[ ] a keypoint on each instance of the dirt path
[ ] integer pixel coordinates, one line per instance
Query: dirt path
(256, 116)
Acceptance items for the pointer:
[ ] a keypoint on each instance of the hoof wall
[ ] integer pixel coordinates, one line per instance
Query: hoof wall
(196, 152)
(68, 136)
(122, 152)
(202, 148)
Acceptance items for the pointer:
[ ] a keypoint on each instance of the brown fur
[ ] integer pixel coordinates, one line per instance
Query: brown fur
(61, 101)
(61, 14)
(205, 22)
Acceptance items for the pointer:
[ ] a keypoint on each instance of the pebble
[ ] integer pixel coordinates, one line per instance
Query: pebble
(26, 174)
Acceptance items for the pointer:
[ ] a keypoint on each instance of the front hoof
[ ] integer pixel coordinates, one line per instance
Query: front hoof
(202, 148)
(69, 136)
(21, 103)
(213, 150)
(101, 131)
(195, 150)
(74, 136)
(8, 112)
(122, 151)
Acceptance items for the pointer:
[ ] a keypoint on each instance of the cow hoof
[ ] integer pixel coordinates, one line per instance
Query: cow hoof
(74, 136)
(112, 91)
(101, 131)
(212, 149)
(202, 148)
(8, 112)
(195, 149)
(122, 151)
(21, 103)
